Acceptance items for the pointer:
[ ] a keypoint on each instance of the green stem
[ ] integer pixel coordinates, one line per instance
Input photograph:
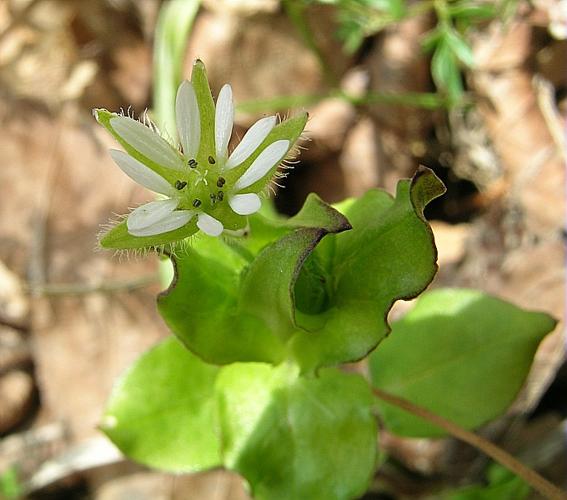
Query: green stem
(280, 103)
(535, 480)
(173, 26)
(441, 11)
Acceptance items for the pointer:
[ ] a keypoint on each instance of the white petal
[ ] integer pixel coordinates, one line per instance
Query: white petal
(174, 220)
(150, 213)
(224, 117)
(209, 225)
(253, 138)
(147, 142)
(188, 119)
(245, 204)
(266, 160)
(140, 173)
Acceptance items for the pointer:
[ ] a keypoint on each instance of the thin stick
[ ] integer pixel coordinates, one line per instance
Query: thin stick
(87, 288)
(535, 480)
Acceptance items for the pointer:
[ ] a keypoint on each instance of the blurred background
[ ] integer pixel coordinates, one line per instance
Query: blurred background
(474, 90)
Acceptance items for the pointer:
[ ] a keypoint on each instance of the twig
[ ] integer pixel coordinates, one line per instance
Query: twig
(535, 480)
(86, 288)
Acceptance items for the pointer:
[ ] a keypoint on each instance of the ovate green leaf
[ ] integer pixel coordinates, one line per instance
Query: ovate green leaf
(502, 485)
(162, 412)
(460, 353)
(297, 437)
(388, 255)
(445, 70)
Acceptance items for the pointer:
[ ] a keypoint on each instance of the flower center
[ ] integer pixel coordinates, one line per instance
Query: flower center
(201, 186)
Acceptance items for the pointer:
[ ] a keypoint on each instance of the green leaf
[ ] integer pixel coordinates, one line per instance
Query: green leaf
(460, 48)
(162, 411)
(201, 308)
(431, 39)
(460, 353)
(389, 255)
(297, 437)
(225, 312)
(466, 10)
(503, 485)
(272, 299)
(445, 70)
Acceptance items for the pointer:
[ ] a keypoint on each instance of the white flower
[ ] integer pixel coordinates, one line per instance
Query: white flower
(195, 182)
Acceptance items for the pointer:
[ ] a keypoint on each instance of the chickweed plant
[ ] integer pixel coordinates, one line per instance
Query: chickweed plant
(265, 309)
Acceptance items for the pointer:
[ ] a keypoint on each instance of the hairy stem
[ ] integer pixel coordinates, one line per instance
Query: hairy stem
(535, 480)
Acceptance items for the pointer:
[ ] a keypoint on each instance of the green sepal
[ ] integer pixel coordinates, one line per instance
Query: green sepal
(206, 110)
(104, 116)
(460, 353)
(120, 239)
(389, 255)
(297, 437)
(162, 411)
(291, 130)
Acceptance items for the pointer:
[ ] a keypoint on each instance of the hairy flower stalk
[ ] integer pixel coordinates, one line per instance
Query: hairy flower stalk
(203, 187)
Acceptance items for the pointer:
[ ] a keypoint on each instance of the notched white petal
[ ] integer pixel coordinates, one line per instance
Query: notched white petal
(188, 119)
(147, 142)
(251, 140)
(245, 204)
(209, 225)
(140, 173)
(266, 160)
(224, 118)
(150, 213)
(173, 221)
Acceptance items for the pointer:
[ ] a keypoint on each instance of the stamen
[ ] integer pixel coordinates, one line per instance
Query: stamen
(221, 182)
(196, 202)
(192, 163)
(179, 185)
(211, 160)
(220, 196)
